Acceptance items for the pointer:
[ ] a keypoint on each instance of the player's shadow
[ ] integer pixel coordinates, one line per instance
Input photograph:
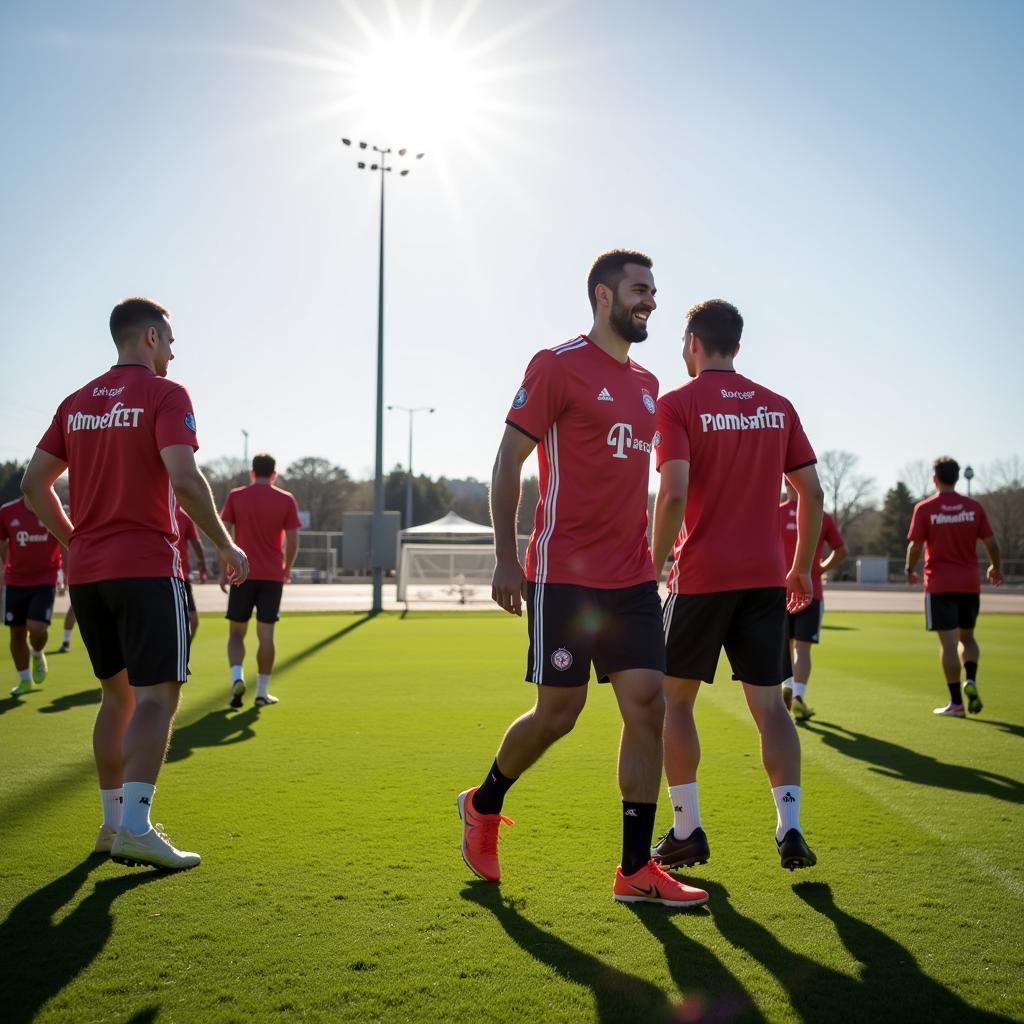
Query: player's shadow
(293, 660)
(841, 629)
(619, 998)
(38, 957)
(220, 728)
(711, 992)
(1013, 728)
(10, 703)
(898, 762)
(819, 993)
(68, 701)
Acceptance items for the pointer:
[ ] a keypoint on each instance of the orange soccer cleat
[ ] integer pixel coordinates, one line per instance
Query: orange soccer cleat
(480, 838)
(653, 885)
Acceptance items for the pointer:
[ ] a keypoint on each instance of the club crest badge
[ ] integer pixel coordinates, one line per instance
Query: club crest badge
(656, 440)
(190, 422)
(561, 659)
(649, 403)
(520, 400)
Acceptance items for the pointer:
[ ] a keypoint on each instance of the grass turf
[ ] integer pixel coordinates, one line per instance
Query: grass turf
(332, 888)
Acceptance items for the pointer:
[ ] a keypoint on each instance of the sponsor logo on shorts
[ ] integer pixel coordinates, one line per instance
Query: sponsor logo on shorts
(520, 400)
(649, 402)
(561, 659)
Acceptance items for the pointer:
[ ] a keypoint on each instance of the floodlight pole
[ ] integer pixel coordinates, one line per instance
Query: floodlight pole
(408, 466)
(245, 448)
(968, 476)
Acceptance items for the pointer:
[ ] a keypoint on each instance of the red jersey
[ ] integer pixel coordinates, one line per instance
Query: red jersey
(260, 514)
(33, 553)
(829, 535)
(111, 433)
(186, 532)
(950, 526)
(739, 438)
(594, 421)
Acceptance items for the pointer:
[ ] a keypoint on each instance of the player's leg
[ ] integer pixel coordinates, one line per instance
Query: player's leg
(38, 634)
(21, 658)
(117, 705)
(193, 614)
(268, 611)
(69, 628)
(787, 664)
(801, 676)
(949, 658)
(969, 652)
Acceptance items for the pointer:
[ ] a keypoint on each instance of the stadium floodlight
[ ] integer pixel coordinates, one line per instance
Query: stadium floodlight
(402, 152)
(408, 466)
(968, 476)
(377, 527)
(348, 142)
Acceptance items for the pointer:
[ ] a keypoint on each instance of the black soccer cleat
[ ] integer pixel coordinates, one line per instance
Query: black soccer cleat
(794, 851)
(681, 853)
(237, 693)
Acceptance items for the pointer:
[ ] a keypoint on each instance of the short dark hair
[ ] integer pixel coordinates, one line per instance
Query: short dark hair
(609, 269)
(718, 324)
(264, 464)
(947, 469)
(131, 314)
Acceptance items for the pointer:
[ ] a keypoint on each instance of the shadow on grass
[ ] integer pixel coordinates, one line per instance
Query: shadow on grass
(39, 958)
(9, 704)
(81, 699)
(1012, 728)
(898, 762)
(296, 659)
(890, 986)
(220, 728)
(618, 997)
(146, 1016)
(841, 629)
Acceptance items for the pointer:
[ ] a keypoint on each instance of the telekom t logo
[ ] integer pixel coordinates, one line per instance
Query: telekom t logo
(620, 437)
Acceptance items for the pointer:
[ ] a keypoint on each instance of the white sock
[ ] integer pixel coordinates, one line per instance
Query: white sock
(113, 805)
(67, 635)
(138, 798)
(787, 684)
(686, 809)
(799, 689)
(36, 654)
(25, 675)
(262, 685)
(236, 673)
(787, 807)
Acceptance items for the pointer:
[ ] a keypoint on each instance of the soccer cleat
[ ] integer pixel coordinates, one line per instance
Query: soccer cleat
(951, 711)
(105, 839)
(794, 851)
(38, 667)
(237, 693)
(801, 710)
(25, 686)
(653, 885)
(681, 853)
(974, 704)
(267, 698)
(787, 697)
(64, 647)
(153, 848)
(480, 837)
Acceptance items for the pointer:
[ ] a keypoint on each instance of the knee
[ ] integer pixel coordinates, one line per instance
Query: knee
(555, 725)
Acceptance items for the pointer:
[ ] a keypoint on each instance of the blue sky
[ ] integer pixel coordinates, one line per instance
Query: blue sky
(847, 174)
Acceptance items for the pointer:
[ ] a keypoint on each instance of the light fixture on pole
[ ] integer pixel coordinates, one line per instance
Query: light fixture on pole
(245, 448)
(968, 476)
(408, 466)
(377, 527)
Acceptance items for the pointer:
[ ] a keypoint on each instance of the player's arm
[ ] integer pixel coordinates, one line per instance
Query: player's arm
(669, 507)
(291, 549)
(995, 569)
(508, 585)
(835, 557)
(913, 557)
(193, 493)
(43, 471)
(810, 503)
(3, 550)
(230, 527)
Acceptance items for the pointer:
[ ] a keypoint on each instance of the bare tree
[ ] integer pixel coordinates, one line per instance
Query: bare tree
(1003, 474)
(847, 493)
(1004, 502)
(917, 476)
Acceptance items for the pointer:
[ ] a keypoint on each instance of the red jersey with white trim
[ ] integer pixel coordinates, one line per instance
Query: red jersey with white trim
(186, 531)
(594, 421)
(260, 513)
(111, 433)
(33, 553)
(950, 526)
(829, 535)
(739, 438)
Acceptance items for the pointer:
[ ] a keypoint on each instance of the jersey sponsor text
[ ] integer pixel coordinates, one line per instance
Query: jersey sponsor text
(762, 419)
(118, 416)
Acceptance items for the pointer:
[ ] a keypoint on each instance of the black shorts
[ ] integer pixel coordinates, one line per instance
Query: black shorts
(190, 601)
(263, 595)
(19, 604)
(570, 627)
(137, 624)
(806, 625)
(749, 624)
(951, 611)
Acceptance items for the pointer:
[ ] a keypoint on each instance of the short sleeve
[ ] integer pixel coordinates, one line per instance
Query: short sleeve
(799, 452)
(984, 526)
(541, 398)
(228, 512)
(918, 530)
(671, 438)
(175, 420)
(833, 538)
(292, 522)
(4, 535)
(52, 442)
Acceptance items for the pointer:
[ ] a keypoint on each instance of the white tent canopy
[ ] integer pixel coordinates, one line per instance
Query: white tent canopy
(451, 526)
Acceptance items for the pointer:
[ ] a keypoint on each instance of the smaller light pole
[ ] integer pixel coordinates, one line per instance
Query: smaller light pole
(245, 448)
(968, 476)
(408, 467)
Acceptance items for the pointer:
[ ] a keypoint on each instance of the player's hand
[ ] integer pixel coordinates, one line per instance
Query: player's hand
(995, 577)
(911, 576)
(508, 586)
(203, 575)
(236, 568)
(799, 591)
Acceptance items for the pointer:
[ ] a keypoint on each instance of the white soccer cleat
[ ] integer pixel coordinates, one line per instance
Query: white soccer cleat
(152, 848)
(105, 839)
(265, 698)
(950, 711)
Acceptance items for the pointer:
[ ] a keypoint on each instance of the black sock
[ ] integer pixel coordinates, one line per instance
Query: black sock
(637, 833)
(971, 668)
(491, 794)
(954, 693)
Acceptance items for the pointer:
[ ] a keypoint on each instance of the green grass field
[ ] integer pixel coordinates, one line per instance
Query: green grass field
(332, 888)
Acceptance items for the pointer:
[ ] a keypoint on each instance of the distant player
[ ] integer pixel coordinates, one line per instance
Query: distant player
(32, 560)
(264, 519)
(590, 589)
(804, 628)
(69, 630)
(948, 526)
(128, 441)
(724, 443)
(188, 537)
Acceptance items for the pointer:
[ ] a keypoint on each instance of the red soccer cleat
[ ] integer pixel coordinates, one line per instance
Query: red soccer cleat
(480, 838)
(652, 885)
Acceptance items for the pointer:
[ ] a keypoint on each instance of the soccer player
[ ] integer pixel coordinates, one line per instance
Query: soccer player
(724, 443)
(263, 518)
(589, 585)
(128, 441)
(69, 629)
(188, 537)
(32, 560)
(804, 628)
(948, 526)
